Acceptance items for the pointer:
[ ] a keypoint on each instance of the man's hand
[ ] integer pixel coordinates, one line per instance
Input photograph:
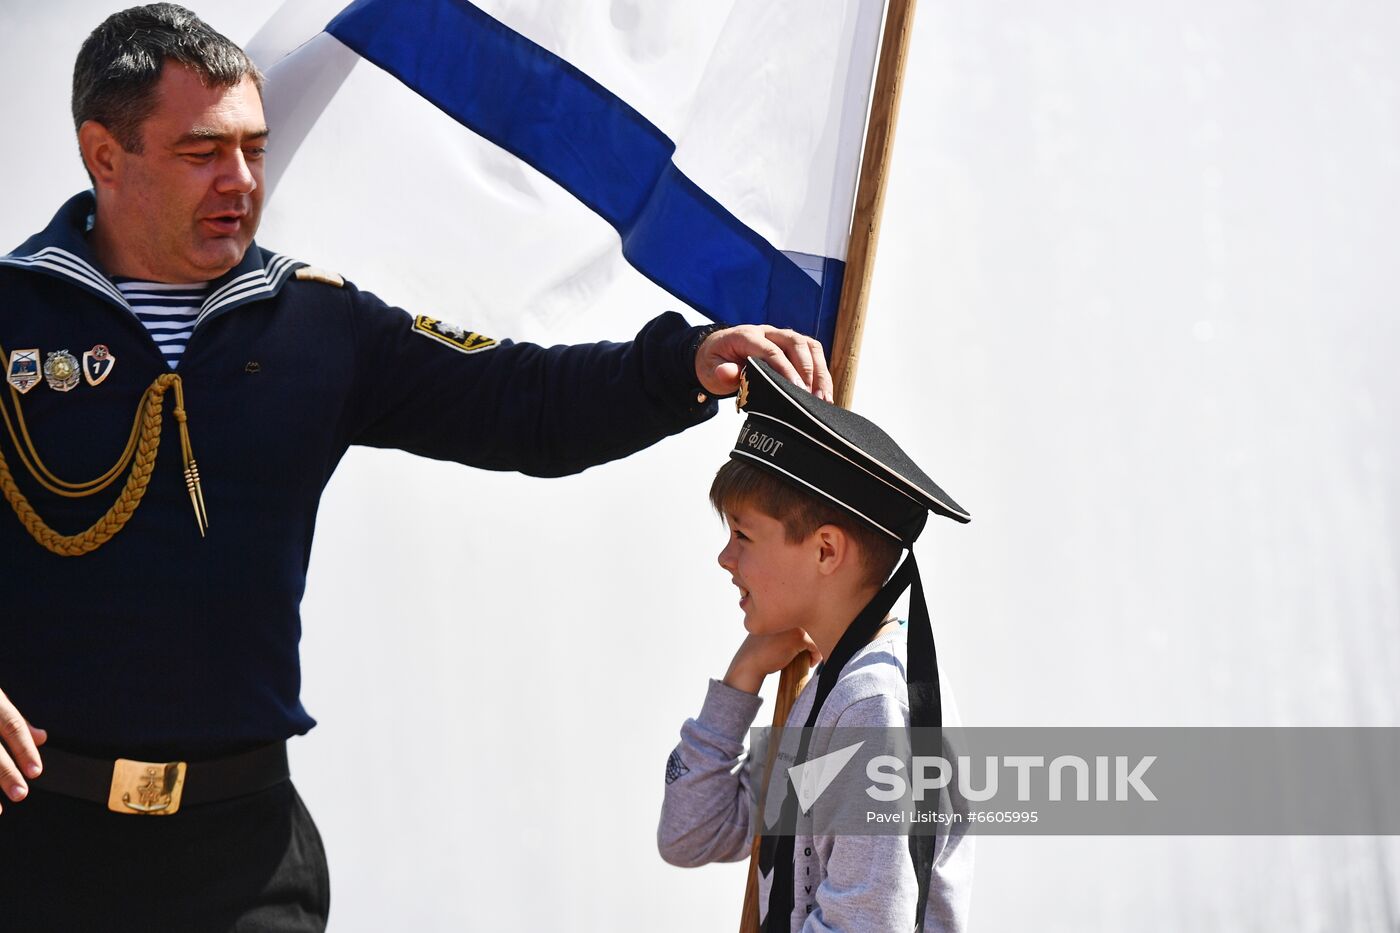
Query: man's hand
(761, 655)
(799, 358)
(19, 751)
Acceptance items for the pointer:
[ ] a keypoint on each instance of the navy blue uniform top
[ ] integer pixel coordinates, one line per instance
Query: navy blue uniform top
(164, 644)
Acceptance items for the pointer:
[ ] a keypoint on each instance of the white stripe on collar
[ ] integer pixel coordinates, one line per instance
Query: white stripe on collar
(66, 263)
(248, 285)
(258, 274)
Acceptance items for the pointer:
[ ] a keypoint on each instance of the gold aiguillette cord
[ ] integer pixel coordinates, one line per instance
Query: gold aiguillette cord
(140, 456)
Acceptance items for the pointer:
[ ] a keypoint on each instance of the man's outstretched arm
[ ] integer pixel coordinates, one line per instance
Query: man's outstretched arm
(439, 390)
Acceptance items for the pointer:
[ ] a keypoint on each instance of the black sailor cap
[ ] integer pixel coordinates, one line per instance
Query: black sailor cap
(837, 455)
(841, 457)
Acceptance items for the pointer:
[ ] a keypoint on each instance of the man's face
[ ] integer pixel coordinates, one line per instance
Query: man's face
(187, 207)
(776, 580)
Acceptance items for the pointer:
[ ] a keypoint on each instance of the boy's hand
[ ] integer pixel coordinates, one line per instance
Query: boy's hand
(761, 655)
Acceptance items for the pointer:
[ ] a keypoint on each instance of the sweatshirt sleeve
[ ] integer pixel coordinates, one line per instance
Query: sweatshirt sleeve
(869, 884)
(705, 810)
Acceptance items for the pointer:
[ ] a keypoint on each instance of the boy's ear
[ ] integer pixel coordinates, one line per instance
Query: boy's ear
(833, 549)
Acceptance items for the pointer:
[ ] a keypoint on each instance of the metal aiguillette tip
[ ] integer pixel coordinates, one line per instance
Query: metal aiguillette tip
(199, 491)
(198, 520)
(196, 502)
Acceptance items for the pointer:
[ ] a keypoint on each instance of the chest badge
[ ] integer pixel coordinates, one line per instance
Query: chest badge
(61, 371)
(97, 364)
(23, 370)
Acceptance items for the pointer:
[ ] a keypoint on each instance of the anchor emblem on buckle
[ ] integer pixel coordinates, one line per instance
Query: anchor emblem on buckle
(144, 787)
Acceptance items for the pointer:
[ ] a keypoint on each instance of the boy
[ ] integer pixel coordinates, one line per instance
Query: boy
(820, 504)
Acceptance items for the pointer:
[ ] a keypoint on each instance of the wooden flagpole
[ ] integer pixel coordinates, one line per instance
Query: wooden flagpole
(850, 319)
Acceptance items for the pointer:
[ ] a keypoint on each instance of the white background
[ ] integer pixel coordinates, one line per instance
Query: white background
(1135, 309)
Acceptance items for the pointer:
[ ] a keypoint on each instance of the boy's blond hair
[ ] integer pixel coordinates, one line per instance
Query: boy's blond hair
(739, 484)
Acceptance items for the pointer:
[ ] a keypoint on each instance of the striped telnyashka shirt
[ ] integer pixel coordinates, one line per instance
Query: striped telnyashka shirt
(168, 311)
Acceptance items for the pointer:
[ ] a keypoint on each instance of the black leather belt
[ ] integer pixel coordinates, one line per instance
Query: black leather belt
(161, 788)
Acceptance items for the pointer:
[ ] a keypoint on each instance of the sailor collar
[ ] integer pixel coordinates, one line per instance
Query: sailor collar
(61, 250)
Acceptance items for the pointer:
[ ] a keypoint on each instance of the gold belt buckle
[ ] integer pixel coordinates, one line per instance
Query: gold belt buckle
(146, 787)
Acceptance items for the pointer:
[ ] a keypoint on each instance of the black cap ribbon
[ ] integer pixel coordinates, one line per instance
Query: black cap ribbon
(925, 713)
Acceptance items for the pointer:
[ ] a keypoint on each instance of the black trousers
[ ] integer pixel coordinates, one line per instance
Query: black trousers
(251, 864)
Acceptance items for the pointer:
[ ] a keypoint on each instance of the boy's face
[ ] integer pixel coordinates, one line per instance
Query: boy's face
(777, 580)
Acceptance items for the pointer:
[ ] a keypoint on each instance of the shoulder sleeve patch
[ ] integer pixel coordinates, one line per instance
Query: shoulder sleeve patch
(313, 274)
(455, 336)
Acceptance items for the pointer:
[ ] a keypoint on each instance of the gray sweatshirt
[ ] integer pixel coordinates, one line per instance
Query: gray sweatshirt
(850, 884)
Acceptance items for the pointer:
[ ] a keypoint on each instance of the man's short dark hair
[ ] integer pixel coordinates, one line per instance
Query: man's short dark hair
(739, 484)
(115, 76)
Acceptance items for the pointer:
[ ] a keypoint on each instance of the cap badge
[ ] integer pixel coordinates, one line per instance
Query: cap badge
(743, 398)
(61, 371)
(23, 370)
(97, 364)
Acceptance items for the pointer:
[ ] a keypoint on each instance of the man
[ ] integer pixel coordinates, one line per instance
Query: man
(151, 613)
